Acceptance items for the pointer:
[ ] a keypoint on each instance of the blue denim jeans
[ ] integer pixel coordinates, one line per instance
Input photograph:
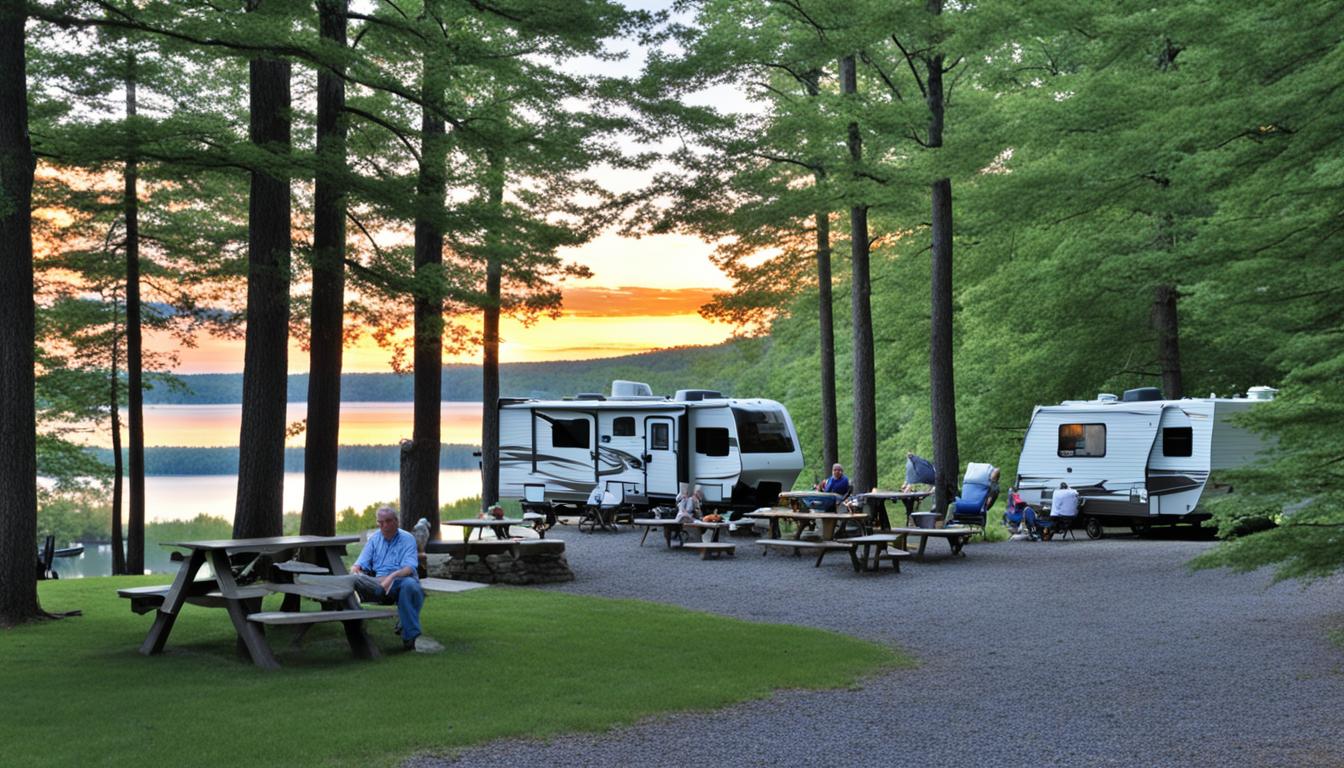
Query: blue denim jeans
(406, 593)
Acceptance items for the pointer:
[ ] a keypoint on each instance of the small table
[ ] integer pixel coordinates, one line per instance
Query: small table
(910, 499)
(240, 601)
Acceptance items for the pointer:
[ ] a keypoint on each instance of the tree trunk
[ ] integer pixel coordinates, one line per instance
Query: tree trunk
(942, 392)
(830, 450)
(490, 356)
(322, 436)
(114, 406)
(261, 440)
(424, 500)
(1168, 340)
(135, 393)
(863, 473)
(18, 417)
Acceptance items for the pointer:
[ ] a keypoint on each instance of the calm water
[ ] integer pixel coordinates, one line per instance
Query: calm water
(179, 497)
(361, 424)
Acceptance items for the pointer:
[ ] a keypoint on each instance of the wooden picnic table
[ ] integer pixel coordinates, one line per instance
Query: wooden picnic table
(956, 536)
(668, 525)
(828, 520)
(876, 548)
(243, 602)
(878, 499)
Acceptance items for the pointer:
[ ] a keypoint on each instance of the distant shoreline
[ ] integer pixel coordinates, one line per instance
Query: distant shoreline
(190, 460)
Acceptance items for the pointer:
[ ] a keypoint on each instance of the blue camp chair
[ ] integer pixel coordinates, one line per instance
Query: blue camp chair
(978, 494)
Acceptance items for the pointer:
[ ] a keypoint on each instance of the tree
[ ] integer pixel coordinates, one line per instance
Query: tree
(261, 442)
(328, 299)
(18, 426)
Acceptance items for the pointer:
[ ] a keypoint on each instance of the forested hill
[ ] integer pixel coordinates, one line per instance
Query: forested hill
(665, 370)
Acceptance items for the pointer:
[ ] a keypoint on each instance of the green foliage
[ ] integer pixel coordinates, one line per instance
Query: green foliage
(350, 521)
(485, 634)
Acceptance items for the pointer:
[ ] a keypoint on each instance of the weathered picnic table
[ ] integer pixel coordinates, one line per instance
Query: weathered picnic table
(828, 523)
(500, 525)
(956, 537)
(243, 601)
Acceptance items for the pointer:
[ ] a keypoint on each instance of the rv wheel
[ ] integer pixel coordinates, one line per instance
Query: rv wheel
(1093, 528)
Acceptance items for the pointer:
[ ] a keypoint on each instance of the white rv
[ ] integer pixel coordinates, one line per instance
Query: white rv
(741, 452)
(1136, 460)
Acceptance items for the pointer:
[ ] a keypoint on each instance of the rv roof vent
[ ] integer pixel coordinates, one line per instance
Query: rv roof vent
(1261, 393)
(623, 388)
(1141, 394)
(590, 396)
(1106, 397)
(695, 395)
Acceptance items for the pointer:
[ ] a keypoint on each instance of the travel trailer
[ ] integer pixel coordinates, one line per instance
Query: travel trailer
(644, 448)
(1136, 460)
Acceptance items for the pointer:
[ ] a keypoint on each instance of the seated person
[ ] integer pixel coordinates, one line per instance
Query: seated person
(386, 572)
(1020, 517)
(918, 472)
(837, 483)
(688, 508)
(1063, 504)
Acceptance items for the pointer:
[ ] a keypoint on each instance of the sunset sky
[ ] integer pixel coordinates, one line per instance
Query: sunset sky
(644, 294)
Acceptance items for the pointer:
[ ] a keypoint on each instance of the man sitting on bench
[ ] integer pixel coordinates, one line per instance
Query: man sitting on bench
(386, 572)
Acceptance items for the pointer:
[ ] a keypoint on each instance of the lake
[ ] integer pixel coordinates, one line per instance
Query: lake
(179, 497)
(361, 424)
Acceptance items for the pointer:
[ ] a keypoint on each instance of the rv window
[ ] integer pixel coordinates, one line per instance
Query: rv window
(1178, 441)
(762, 431)
(658, 437)
(1082, 440)
(569, 433)
(623, 426)
(711, 441)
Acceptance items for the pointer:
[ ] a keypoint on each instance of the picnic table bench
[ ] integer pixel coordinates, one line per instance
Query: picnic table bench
(956, 537)
(710, 548)
(243, 602)
(798, 546)
(876, 548)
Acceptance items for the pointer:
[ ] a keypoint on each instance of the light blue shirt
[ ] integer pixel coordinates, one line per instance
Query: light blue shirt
(382, 557)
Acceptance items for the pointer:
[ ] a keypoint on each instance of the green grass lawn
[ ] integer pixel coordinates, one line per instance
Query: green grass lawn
(517, 662)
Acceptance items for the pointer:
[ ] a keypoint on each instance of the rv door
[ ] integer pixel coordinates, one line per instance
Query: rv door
(566, 455)
(660, 456)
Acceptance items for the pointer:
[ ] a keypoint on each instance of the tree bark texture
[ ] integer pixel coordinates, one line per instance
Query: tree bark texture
(942, 392)
(135, 393)
(261, 440)
(322, 437)
(863, 473)
(490, 361)
(1165, 300)
(114, 408)
(830, 451)
(18, 417)
(424, 498)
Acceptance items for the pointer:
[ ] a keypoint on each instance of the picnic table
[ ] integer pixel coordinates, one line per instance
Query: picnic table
(828, 525)
(669, 526)
(878, 499)
(243, 601)
(500, 525)
(876, 548)
(956, 536)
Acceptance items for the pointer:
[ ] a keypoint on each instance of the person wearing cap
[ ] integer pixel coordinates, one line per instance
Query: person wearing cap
(836, 483)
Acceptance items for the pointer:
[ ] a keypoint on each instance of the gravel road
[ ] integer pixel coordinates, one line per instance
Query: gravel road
(1086, 653)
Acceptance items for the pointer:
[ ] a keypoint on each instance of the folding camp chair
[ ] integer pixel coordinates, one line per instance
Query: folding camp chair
(978, 494)
(536, 510)
(599, 513)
